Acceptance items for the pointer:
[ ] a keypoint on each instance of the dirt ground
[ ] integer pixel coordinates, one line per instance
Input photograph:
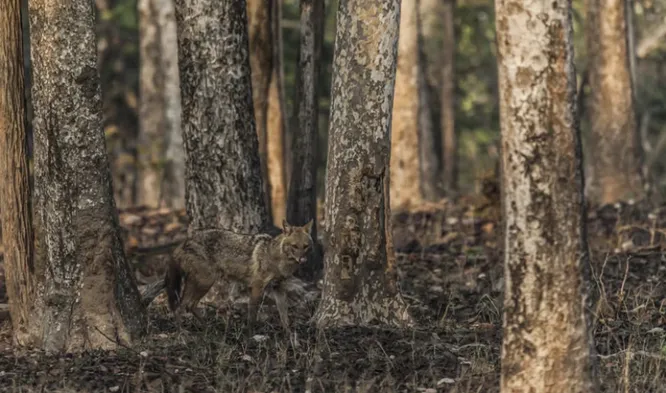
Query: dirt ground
(451, 275)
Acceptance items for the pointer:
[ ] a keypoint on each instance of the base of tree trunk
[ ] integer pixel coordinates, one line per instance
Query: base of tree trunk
(362, 311)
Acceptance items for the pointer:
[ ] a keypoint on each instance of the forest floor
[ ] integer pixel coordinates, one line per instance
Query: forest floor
(450, 274)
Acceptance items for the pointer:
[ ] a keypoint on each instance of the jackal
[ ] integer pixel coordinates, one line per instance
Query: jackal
(253, 259)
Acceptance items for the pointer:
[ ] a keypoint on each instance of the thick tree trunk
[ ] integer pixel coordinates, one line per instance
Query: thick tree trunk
(405, 173)
(15, 214)
(448, 101)
(360, 279)
(614, 138)
(428, 159)
(302, 201)
(276, 119)
(261, 64)
(86, 295)
(161, 178)
(224, 184)
(545, 241)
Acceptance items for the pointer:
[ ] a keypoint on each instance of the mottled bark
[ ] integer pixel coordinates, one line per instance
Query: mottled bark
(428, 159)
(360, 285)
(15, 214)
(614, 137)
(449, 163)
(224, 184)
(302, 201)
(405, 172)
(86, 295)
(161, 177)
(276, 122)
(546, 343)
(261, 64)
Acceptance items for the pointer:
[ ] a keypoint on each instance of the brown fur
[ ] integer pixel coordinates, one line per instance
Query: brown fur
(255, 260)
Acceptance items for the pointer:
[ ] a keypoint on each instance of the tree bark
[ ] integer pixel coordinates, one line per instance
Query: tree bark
(360, 285)
(302, 201)
(86, 295)
(615, 149)
(449, 138)
(428, 159)
(15, 215)
(261, 63)
(405, 173)
(545, 239)
(224, 184)
(161, 175)
(276, 119)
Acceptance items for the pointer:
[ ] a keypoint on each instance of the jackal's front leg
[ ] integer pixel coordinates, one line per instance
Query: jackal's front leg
(257, 289)
(280, 298)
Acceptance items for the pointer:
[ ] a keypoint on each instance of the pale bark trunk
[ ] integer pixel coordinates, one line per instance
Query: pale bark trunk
(545, 243)
(405, 173)
(449, 138)
(261, 64)
(302, 201)
(276, 119)
(614, 138)
(224, 184)
(161, 176)
(428, 159)
(86, 295)
(360, 280)
(15, 215)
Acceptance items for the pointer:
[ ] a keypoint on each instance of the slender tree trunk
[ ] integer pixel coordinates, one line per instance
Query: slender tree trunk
(261, 62)
(615, 148)
(448, 101)
(86, 295)
(405, 173)
(428, 159)
(161, 178)
(15, 215)
(545, 240)
(360, 278)
(276, 119)
(224, 184)
(302, 202)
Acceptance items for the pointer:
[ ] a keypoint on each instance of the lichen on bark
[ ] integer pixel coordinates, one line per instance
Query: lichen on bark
(86, 295)
(223, 176)
(545, 244)
(360, 280)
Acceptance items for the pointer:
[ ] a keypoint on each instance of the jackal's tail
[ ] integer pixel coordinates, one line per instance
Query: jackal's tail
(173, 282)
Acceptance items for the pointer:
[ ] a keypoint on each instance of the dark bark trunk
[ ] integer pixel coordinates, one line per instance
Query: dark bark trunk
(261, 63)
(542, 201)
(161, 176)
(302, 201)
(360, 280)
(448, 102)
(224, 184)
(86, 295)
(15, 215)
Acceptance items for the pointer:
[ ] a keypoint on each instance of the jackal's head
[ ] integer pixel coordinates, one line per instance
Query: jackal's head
(296, 241)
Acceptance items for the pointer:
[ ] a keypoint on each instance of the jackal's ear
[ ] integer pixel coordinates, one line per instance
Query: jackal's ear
(308, 226)
(286, 227)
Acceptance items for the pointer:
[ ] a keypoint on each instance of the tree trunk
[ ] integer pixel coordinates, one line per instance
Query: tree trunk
(614, 138)
(448, 102)
(86, 295)
(261, 64)
(405, 173)
(428, 159)
(302, 202)
(276, 118)
(161, 178)
(15, 215)
(224, 184)
(545, 240)
(360, 278)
